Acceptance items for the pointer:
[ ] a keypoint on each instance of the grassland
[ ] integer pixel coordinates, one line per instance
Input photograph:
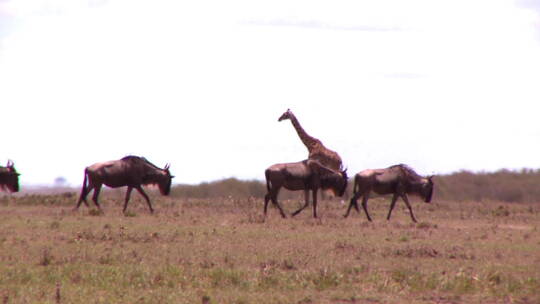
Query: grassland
(224, 251)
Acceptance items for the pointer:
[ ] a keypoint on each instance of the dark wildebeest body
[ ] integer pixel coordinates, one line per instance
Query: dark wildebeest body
(9, 178)
(130, 171)
(398, 180)
(305, 175)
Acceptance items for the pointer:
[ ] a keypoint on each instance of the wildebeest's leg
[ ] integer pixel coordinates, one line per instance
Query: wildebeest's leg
(97, 189)
(406, 200)
(128, 194)
(314, 203)
(276, 203)
(266, 200)
(141, 191)
(394, 199)
(306, 198)
(273, 197)
(353, 203)
(364, 205)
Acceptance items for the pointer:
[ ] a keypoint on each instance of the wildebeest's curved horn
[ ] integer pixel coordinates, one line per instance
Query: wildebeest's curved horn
(167, 166)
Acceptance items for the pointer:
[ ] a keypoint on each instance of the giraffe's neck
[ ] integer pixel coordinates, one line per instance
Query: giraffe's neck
(309, 141)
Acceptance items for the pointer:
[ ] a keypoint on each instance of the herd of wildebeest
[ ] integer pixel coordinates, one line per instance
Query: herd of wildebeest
(322, 170)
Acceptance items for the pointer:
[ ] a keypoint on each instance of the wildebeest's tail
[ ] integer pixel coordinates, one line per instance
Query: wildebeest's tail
(83, 189)
(266, 174)
(355, 184)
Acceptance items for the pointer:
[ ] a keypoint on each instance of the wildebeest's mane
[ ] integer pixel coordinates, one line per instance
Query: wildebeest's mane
(324, 171)
(327, 172)
(7, 169)
(407, 171)
(330, 177)
(132, 158)
(140, 158)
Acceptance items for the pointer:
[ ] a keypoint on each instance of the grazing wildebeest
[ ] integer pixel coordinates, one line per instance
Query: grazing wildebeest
(305, 175)
(130, 171)
(9, 178)
(398, 180)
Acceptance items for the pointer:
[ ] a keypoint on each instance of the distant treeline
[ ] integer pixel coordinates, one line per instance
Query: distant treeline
(222, 188)
(503, 185)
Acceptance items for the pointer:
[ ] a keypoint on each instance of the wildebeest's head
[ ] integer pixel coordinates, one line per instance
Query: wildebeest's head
(343, 183)
(286, 115)
(9, 178)
(427, 188)
(165, 181)
(337, 181)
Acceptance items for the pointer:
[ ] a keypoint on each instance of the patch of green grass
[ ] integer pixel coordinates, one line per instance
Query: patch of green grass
(501, 211)
(426, 225)
(403, 238)
(46, 257)
(326, 279)
(55, 225)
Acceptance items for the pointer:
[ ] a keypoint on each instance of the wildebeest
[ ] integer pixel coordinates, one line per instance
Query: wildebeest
(398, 180)
(305, 175)
(9, 178)
(130, 171)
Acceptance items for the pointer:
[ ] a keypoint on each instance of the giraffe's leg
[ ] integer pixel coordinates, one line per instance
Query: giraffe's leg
(314, 203)
(306, 198)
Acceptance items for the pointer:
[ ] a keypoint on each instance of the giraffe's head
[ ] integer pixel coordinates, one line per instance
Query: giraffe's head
(287, 115)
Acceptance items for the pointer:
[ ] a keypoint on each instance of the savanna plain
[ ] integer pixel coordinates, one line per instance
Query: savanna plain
(222, 250)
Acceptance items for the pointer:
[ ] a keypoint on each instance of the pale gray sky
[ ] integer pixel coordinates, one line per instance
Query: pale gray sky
(439, 85)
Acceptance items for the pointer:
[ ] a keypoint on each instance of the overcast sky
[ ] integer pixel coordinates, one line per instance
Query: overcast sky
(439, 85)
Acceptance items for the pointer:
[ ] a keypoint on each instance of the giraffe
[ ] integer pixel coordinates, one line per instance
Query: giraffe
(316, 149)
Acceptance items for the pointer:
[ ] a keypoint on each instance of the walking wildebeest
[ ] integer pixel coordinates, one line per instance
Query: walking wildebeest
(398, 180)
(130, 171)
(305, 175)
(9, 178)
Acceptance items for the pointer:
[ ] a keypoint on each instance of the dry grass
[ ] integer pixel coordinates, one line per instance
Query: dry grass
(223, 251)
